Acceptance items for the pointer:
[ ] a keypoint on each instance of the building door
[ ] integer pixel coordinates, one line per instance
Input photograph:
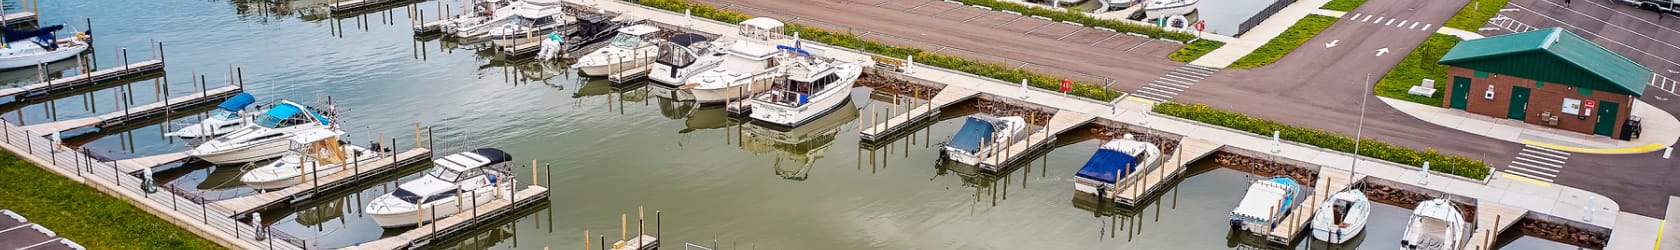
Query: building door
(1606, 119)
(1519, 103)
(1460, 86)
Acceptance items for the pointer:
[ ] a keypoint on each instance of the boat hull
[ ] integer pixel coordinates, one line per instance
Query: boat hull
(211, 127)
(1165, 12)
(431, 210)
(793, 117)
(730, 93)
(259, 151)
(32, 60)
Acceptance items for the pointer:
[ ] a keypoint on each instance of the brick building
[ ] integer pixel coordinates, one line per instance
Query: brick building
(1547, 77)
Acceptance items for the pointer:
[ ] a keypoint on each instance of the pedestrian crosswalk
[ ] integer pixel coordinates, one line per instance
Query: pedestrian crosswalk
(1389, 21)
(1176, 81)
(1538, 163)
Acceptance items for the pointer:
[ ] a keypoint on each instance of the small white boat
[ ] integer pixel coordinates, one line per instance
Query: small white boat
(483, 12)
(26, 48)
(681, 56)
(480, 26)
(1435, 225)
(1114, 163)
(1166, 8)
(268, 136)
(982, 136)
(320, 158)
(1266, 204)
(633, 47)
(227, 117)
(808, 88)
(529, 24)
(1342, 217)
(456, 183)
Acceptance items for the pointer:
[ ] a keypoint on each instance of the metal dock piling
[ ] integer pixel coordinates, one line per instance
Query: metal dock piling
(77, 81)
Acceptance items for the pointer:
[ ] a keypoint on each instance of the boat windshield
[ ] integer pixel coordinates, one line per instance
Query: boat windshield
(224, 114)
(443, 173)
(626, 41)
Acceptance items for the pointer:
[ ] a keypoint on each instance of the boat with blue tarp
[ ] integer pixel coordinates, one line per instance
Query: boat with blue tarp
(228, 116)
(1116, 162)
(982, 136)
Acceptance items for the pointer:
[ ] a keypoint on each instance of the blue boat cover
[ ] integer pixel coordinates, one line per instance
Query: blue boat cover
(794, 49)
(237, 102)
(1288, 195)
(282, 111)
(1106, 166)
(973, 133)
(43, 33)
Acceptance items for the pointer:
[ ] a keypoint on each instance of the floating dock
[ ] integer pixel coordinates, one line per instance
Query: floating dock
(21, 17)
(1062, 121)
(338, 6)
(1299, 219)
(138, 112)
(136, 164)
(1189, 150)
(360, 170)
(426, 233)
(104, 75)
(918, 113)
(1491, 213)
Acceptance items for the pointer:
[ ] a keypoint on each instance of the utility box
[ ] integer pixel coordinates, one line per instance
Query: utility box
(1630, 129)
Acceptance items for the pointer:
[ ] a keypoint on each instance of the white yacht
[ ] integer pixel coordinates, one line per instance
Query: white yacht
(982, 136)
(634, 46)
(1166, 8)
(744, 69)
(808, 88)
(309, 161)
(483, 12)
(227, 117)
(455, 183)
(530, 24)
(1266, 204)
(1114, 163)
(26, 48)
(1435, 225)
(268, 136)
(681, 56)
(1342, 218)
(481, 25)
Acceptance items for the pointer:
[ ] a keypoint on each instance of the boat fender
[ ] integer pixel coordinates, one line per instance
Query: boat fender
(490, 178)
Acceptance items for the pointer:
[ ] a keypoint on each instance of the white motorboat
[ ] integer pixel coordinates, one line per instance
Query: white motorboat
(1166, 8)
(808, 88)
(268, 136)
(1114, 163)
(1266, 204)
(483, 12)
(1342, 218)
(480, 26)
(27, 48)
(673, 68)
(313, 160)
(228, 116)
(455, 183)
(528, 24)
(744, 69)
(1435, 225)
(681, 56)
(633, 47)
(982, 136)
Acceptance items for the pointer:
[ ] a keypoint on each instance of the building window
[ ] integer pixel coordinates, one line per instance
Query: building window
(1481, 74)
(1583, 91)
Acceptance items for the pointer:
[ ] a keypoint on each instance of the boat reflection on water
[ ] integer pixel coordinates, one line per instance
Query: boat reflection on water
(599, 86)
(797, 148)
(210, 182)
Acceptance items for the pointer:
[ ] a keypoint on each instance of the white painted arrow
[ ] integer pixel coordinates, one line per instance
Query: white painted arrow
(1332, 43)
(1382, 51)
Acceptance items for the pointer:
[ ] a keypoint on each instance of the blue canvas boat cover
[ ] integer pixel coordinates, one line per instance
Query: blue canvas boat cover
(282, 111)
(972, 135)
(1106, 166)
(237, 102)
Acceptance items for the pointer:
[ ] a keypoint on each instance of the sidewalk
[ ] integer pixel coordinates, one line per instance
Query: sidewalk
(1660, 129)
(1260, 34)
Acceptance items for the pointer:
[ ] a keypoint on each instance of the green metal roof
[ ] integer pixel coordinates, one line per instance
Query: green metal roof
(1552, 55)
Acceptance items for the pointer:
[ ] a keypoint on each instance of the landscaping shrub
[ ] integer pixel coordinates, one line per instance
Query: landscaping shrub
(1447, 164)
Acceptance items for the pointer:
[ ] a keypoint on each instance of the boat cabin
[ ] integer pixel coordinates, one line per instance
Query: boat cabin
(762, 28)
(800, 83)
(634, 37)
(462, 171)
(287, 114)
(682, 50)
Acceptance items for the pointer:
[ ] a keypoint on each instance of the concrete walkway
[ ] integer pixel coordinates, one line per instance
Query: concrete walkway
(1660, 129)
(1260, 34)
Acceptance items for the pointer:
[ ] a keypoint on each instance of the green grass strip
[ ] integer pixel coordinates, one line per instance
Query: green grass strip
(85, 215)
(1303, 30)
(985, 69)
(1418, 65)
(1446, 164)
(1475, 14)
(1342, 5)
(1195, 50)
(1074, 15)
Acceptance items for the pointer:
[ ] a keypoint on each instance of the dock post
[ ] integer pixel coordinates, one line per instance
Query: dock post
(160, 52)
(204, 91)
(417, 135)
(475, 207)
(657, 221)
(124, 51)
(640, 230)
(550, 168)
(388, 147)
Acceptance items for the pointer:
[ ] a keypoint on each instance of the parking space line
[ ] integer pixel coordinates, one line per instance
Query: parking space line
(1009, 22)
(941, 13)
(920, 5)
(1069, 34)
(1041, 26)
(1116, 34)
(1138, 45)
(977, 16)
(883, 3)
(1607, 38)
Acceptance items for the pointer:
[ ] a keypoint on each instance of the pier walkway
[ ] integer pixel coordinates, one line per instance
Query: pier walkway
(918, 113)
(1060, 122)
(136, 164)
(359, 170)
(460, 222)
(138, 112)
(21, 17)
(1190, 150)
(1501, 216)
(1329, 182)
(77, 81)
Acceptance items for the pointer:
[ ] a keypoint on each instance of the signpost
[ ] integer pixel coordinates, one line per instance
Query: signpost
(1067, 85)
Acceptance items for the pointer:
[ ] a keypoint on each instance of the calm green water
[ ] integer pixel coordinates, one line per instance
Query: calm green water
(612, 149)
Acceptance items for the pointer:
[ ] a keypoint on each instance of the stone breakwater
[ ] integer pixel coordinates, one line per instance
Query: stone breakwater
(1002, 109)
(890, 85)
(1564, 233)
(1265, 167)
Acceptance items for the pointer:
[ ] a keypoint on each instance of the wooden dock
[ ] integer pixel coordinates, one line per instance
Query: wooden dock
(136, 164)
(339, 6)
(361, 170)
(426, 233)
(918, 113)
(1490, 213)
(1134, 190)
(21, 17)
(738, 108)
(127, 114)
(1062, 121)
(1299, 219)
(104, 75)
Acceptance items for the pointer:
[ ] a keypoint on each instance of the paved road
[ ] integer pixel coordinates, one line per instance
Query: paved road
(975, 33)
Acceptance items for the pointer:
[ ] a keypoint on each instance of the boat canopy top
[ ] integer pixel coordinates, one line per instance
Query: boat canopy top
(288, 110)
(1261, 202)
(687, 39)
(237, 102)
(764, 23)
(1440, 209)
(1108, 166)
(477, 158)
(975, 132)
(43, 33)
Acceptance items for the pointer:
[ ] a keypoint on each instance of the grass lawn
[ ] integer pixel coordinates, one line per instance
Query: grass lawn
(1296, 35)
(1416, 67)
(1194, 50)
(85, 215)
(1475, 14)
(1342, 5)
